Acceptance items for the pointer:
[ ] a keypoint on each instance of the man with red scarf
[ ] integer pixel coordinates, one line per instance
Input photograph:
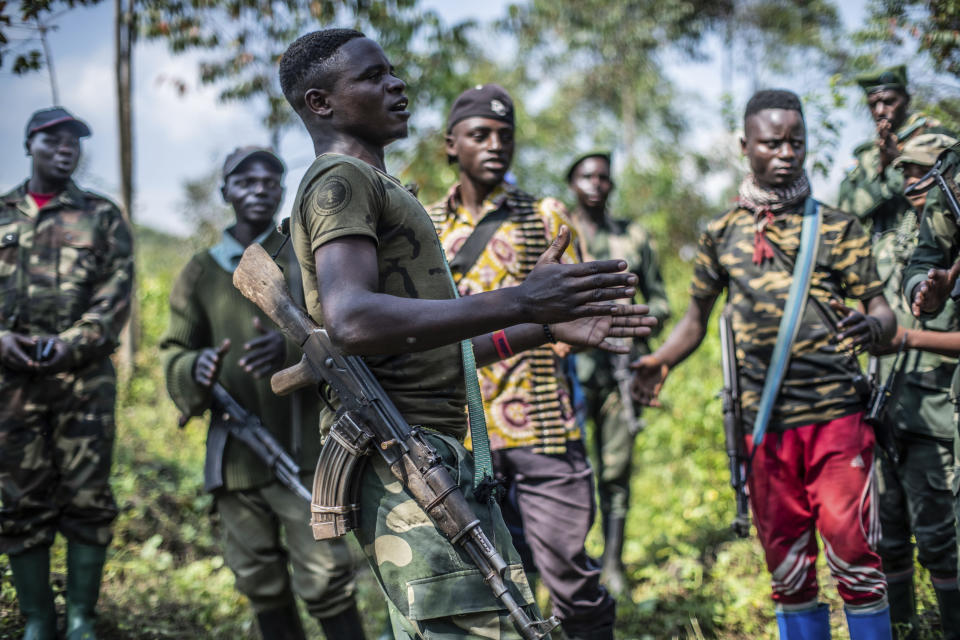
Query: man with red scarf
(813, 472)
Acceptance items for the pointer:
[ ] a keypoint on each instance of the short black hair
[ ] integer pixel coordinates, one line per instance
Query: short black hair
(305, 61)
(772, 99)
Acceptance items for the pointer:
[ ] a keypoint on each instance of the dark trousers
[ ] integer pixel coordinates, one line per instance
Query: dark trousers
(549, 510)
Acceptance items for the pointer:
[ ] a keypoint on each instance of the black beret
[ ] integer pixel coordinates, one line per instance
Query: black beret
(484, 101)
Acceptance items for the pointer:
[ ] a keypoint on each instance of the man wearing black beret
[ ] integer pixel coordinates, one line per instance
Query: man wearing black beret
(492, 234)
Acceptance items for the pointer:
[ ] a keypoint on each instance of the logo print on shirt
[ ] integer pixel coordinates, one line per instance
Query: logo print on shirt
(333, 195)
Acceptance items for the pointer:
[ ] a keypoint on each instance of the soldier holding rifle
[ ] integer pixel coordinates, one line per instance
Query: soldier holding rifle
(605, 377)
(783, 260)
(375, 276)
(216, 337)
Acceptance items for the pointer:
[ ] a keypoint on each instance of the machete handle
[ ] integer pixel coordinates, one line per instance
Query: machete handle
(260, 280)
(292, 378)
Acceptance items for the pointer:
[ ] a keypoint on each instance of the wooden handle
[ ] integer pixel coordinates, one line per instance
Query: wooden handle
(296, 377)
(260, 280)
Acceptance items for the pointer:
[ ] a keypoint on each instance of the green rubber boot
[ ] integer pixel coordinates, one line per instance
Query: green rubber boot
(31, 579)
(84, 570)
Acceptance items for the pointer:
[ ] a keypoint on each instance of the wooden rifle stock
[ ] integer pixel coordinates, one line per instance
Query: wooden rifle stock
(260, 280)
(292, 378)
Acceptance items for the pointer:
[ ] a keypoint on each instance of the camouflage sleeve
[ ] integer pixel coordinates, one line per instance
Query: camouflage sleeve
(187, 334)
(863, 188)
(651, 284)
(554, 214)
(709, 276)
(938, 245)
(852, 258)
(97, 333)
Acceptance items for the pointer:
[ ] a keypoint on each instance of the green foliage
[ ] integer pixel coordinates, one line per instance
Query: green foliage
(243, 41)
(29, 11)
(933, 25)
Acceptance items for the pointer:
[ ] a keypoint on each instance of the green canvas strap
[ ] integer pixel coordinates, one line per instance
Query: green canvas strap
(482, 462)
(790, 321)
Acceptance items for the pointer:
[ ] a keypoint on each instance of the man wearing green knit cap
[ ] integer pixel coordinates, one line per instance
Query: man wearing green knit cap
(217, 335)
(873, 190)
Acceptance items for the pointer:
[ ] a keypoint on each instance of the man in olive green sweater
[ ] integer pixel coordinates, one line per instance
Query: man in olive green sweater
(216, 334)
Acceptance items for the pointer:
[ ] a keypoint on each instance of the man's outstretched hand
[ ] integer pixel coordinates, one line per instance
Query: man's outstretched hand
(555, 292)
(627, 321)
(648, 376)
(930, 294)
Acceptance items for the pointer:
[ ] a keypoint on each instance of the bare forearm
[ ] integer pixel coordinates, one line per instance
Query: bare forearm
(946, 343)
(519, 337)
(381, 324)
(686, 335)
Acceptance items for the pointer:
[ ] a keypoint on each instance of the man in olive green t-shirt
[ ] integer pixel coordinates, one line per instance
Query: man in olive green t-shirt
(376, 278)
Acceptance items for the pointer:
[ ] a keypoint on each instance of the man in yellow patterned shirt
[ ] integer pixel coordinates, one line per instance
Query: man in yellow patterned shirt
(492, 234)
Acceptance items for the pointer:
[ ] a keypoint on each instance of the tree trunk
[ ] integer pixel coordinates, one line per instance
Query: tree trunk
(124, 35)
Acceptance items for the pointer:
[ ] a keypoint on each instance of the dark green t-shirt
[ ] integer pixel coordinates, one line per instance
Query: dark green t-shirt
(818, 384)
(343, 196)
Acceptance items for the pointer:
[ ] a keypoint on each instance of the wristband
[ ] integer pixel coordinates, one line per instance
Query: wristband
(501, 345)
(549, 334)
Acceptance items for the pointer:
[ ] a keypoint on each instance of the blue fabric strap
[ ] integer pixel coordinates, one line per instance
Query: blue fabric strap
(790, 322)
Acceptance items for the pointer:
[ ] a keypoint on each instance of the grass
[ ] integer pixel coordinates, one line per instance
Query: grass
(166, 579)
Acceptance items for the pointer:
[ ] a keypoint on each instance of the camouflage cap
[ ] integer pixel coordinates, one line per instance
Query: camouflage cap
(882, 79)
(241, 154)
(54, 117)
(484, 101)
(924, 149)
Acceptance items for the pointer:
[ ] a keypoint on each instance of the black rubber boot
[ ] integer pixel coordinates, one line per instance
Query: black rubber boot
(282, 623)
(31, 579)
(346, 625)
(903, 609)
(612, 570)
(949, 601)
(84, 571)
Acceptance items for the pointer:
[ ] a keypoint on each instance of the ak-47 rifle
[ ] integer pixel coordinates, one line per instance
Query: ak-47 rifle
(733, 426)
(941, 175)
(231, 419)
(368, 421)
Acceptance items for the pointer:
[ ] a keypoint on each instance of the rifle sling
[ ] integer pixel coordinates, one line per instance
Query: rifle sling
(481, 235)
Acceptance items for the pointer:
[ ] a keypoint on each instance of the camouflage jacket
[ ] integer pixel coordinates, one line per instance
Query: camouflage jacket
(875, 196)
(818, 385)
(938, 247)
(922, 383)
(65, 269)
(627, 240)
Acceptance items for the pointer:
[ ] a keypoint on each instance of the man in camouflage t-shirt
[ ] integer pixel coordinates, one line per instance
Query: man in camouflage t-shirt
(66, 271)
(375, 276)
(813, 471)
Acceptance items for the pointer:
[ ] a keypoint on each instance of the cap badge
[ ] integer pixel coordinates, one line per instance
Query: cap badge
(498, 107)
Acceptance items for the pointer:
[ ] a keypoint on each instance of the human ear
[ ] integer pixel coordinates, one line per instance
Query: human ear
(318, 102)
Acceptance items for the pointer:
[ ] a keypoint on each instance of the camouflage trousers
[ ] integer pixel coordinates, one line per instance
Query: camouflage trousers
(915, 498)
(253, 521)
(56, 446)
(435, 591)
(613, 438)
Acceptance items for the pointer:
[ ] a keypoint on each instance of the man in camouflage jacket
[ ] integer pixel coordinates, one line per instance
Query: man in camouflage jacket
(66, 271)
(873, 190)
(615, 425)
(915, 479)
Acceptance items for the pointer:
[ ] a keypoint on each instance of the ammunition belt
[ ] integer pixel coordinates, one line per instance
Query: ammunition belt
(546, 412)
